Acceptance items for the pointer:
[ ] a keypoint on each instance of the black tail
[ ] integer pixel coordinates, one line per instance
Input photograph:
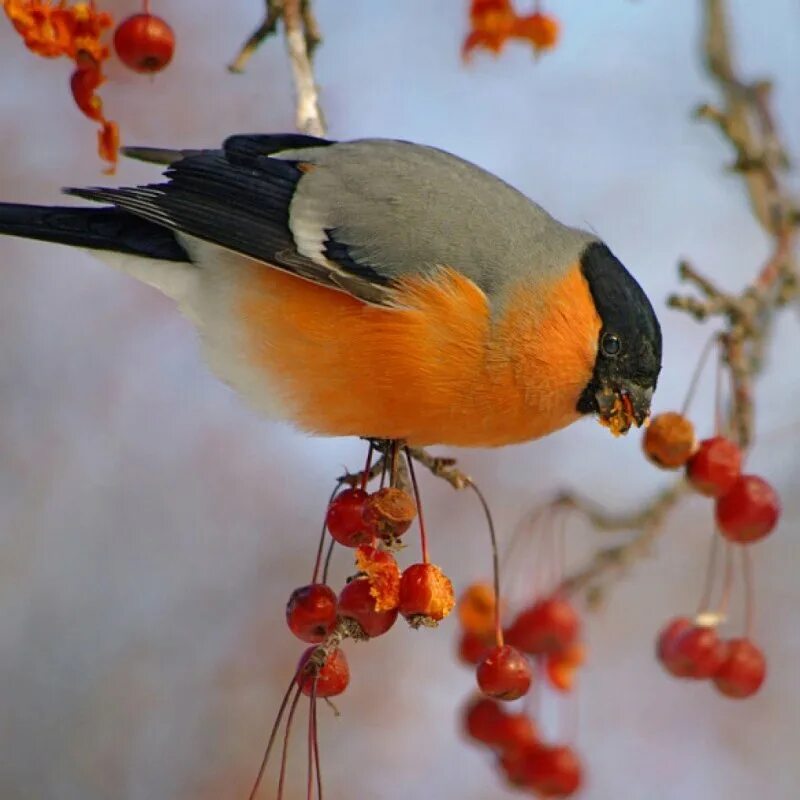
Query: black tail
(94, 228)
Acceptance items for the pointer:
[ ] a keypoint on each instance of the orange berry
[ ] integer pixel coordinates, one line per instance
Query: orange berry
(669, 441)
(476, 609)
(426, 595)
(144, 43)
(331, 678)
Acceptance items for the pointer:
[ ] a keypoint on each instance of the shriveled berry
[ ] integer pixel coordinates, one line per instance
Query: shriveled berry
(311, 612)
(669, 440)
(476, 609)
(553, 771)
(357, 602)
(331, 678)
(697, 653)
(549, 626)
(504, 673)
(426, 595)
(665, 646)
(716, 465)
(472, 647)
(345, 519)
(749, 510)
(743, 670)
(144, 43)
(483, 719)
(389, 512)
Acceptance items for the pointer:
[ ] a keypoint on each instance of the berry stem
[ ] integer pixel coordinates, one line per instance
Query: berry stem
(315, 742)
(321, 545)
(272, 736)
(312, 702)
(146, 6)
(711, 570)
(498, 628)
(718, 415)
(367, 467)
(423, 536)
(727, 581)
(327, 566)
(286, 736)
(698, 371)
(749, 594)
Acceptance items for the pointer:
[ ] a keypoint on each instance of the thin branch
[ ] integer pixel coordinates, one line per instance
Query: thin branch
(273, 12)
(296, 16)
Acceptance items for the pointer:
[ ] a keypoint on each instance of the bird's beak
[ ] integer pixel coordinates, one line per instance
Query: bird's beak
(620, 408)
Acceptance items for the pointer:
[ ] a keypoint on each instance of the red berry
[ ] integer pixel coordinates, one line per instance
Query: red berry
(332, 677)
(311, 612)
(426, 594)
(504, 673)
(515, 732)
(515, 763)
(749, 510)
(145, 43)
(357, 602)
(548, 627)
(345, 519)
(665, 646)
(743, 670)
(714, 468)
(553, 771)
(472, 647)
(483, 719)
(697, 653)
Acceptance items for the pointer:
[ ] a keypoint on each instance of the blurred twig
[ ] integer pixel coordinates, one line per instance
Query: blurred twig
(746, 120)
(302, 37)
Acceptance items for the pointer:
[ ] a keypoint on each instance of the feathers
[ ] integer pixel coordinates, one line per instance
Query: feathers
(95, 228)
(237, 198)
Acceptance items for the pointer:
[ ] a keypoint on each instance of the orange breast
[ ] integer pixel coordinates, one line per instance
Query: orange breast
(441, 369)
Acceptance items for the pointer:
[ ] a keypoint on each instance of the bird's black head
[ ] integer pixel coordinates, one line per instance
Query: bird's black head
(629, 348)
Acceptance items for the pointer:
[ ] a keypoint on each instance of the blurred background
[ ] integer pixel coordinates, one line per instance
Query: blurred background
(151, 527)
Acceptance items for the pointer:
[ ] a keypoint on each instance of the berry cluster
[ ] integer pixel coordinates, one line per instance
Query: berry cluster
(371, 525)
(690, 650)
(747, 509)
(543, 637)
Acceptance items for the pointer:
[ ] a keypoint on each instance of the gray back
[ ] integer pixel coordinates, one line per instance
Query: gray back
(403, 208)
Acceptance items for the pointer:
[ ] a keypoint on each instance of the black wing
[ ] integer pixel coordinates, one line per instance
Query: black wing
(238, 197)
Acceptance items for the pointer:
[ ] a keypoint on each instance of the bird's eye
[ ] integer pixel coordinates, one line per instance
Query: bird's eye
(611, 344)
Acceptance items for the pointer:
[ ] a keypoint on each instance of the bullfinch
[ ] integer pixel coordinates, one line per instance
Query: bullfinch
(377, 288)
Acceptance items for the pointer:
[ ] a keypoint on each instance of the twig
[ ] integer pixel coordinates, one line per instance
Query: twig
(296, 17)
(302, 38)
(610, 562)
(746, 121)
(273, 12)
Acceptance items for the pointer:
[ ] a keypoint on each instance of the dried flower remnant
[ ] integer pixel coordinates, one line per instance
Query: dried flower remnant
(495, 22)
(382, 574)
(53, 30)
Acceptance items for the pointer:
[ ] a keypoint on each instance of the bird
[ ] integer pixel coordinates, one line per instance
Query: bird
(376, 288)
